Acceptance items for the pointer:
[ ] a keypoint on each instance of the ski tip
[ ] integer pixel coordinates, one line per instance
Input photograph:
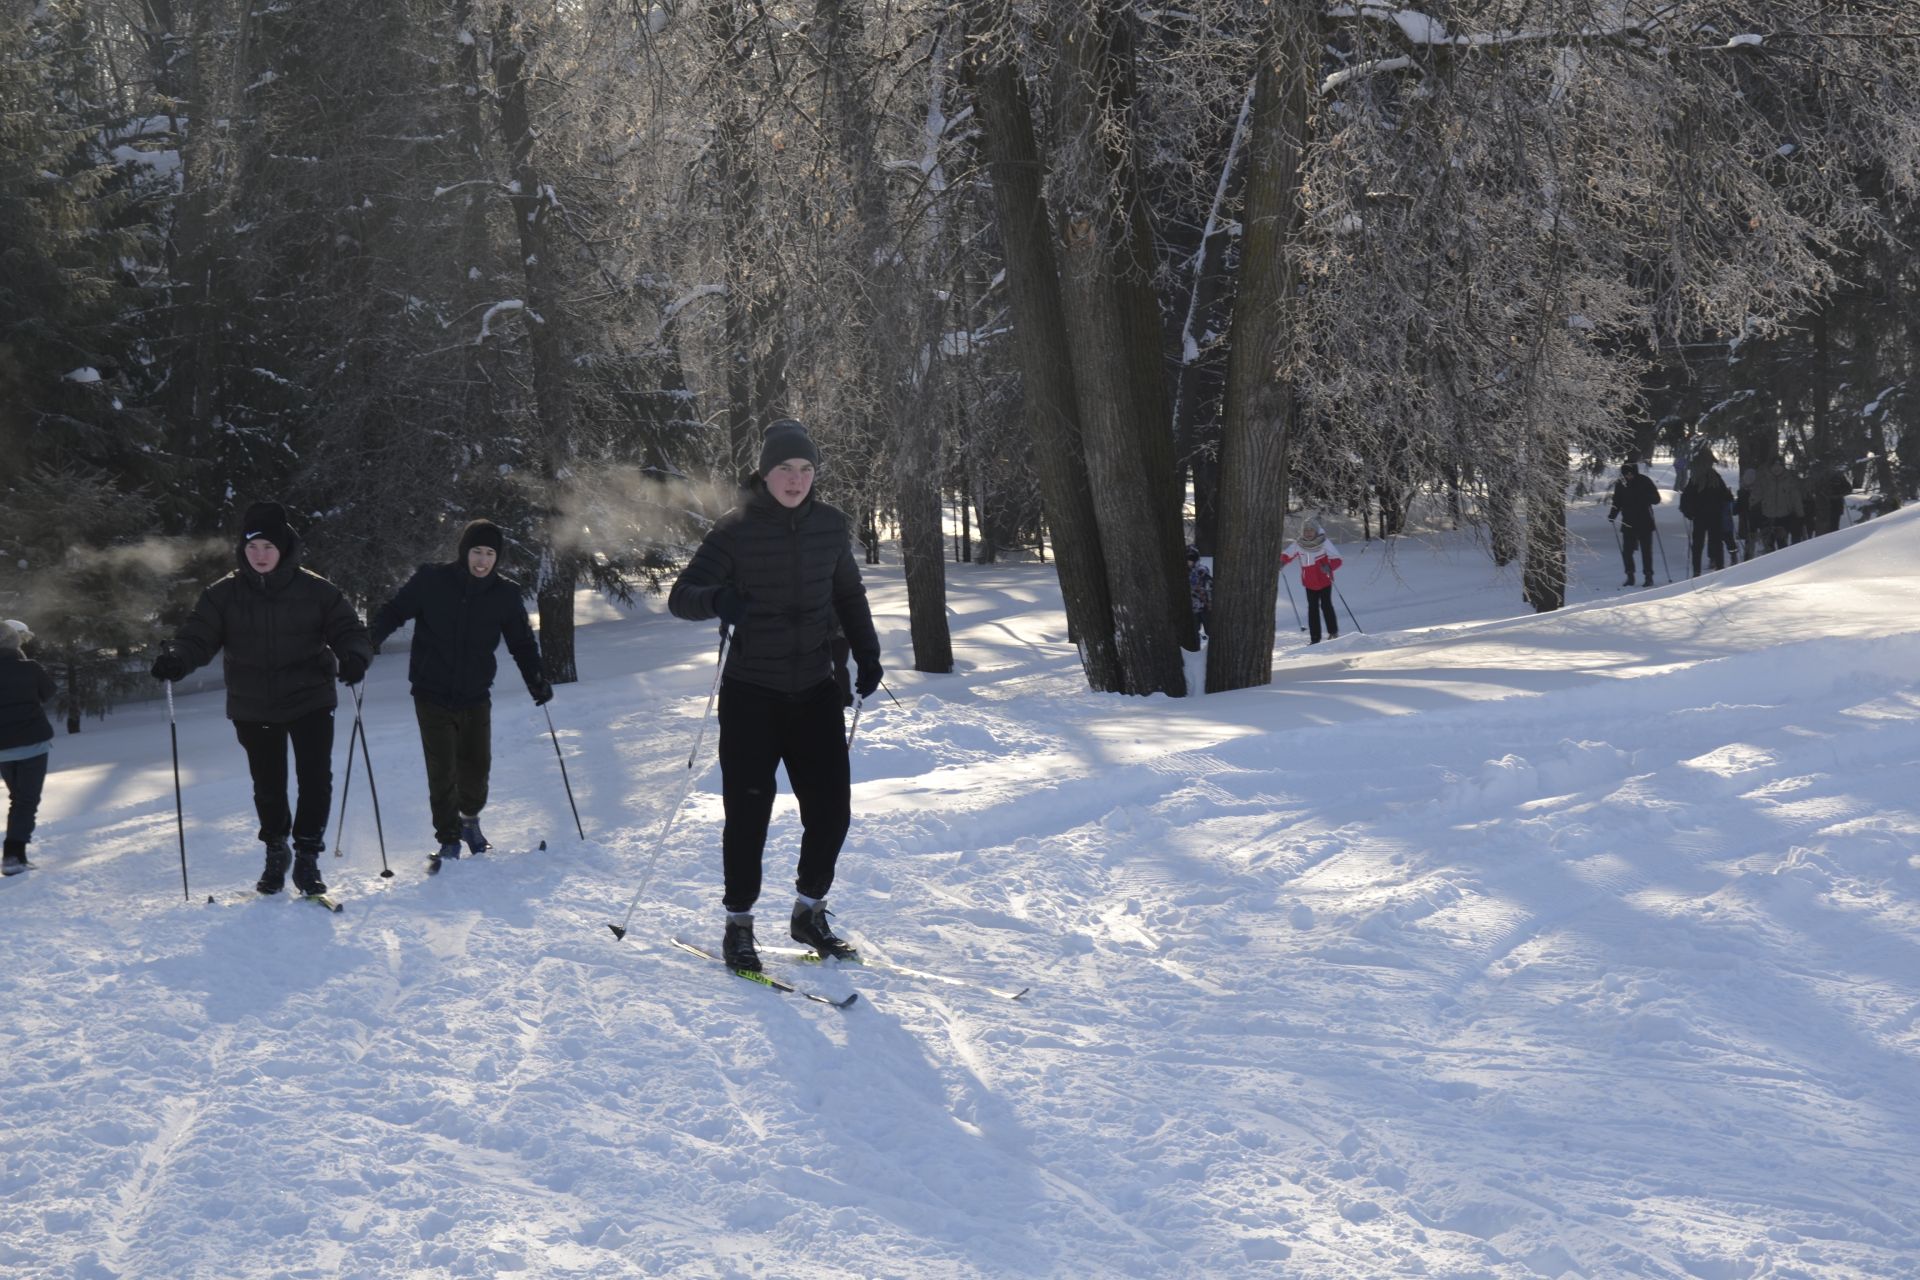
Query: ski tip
(209, 899)
(543, 846)
(618, 932)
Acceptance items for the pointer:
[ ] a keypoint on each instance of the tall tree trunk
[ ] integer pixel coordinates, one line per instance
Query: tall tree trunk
(553, 402)
(1261, 412)
(1544, 578)
(1113, 335)
(896, 379)
(1049, 406)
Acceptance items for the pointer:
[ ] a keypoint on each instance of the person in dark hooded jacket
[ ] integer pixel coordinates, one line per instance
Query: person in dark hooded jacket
(285, 632)
(26, 740)
(1634, 498)
(460, 612)
(779, 570)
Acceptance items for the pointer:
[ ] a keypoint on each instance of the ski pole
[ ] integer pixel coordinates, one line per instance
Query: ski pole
(179, 810)
(854, 728)
(386, 872)
(1343, 600)
(660, 841)
(1661, 542)
(340, 827)
(1298, 625)
(564, 780)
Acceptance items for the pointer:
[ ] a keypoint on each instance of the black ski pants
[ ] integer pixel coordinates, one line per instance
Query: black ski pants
(265, 743)
(1632, 536)
(759, 731)
(1320, 603)
(25, 780)
(457, 743)
(1709, 535)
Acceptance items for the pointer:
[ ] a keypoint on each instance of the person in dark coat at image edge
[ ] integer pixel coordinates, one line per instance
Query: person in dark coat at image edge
(461, 611)
(26, 740)
(286, 632)
(779, 570)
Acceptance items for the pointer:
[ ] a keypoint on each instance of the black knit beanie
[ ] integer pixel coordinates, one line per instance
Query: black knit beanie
(268, 520)
(786, 440)
(482, 533)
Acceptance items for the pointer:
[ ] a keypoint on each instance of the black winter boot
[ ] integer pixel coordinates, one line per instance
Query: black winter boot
(15, 860)
(447, 849)
(470, 832)
(809, 926)
(736, 947)
(306, 870)
(279, 858)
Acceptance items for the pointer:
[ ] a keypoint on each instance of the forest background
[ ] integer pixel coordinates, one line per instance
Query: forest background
(1089, 280)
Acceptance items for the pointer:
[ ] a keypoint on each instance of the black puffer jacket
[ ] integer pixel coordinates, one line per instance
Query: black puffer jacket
(458, 622)
(1634, 498)
(797, 570)
(282, 633)
(24, 687)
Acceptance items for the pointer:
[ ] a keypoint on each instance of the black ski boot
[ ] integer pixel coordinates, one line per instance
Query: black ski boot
(15, 860)
(1628, 582)
(736, 947)
(448, 849)
(470, 832)
(809, 925)
(274, 878)
(306, 870)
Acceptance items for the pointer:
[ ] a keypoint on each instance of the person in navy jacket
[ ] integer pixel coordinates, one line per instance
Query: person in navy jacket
(460, 612)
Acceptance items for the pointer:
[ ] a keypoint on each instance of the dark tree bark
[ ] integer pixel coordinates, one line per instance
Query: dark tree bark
(1113, 334)
(1544, 578)
(1261, 412)
(558, 574)
(1049, 405)
(891, 367)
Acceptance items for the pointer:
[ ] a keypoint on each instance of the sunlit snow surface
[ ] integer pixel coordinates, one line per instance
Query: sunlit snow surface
(1477, 945)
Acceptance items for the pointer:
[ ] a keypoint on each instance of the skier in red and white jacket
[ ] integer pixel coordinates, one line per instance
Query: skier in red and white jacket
(1318, 559)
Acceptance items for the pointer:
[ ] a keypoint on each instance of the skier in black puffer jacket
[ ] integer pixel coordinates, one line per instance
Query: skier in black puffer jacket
(286, 631)
(779, 570)
(460, 611)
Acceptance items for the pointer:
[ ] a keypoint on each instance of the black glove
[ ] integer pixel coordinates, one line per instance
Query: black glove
(869, 675)
(542, 693)
(730, 605)
(170, 665)
(353, 668)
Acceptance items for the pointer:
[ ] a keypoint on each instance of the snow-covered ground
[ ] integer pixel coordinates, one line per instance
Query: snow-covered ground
(1477, 945)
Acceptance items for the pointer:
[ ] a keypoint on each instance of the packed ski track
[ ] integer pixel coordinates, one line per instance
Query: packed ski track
(1476, 945)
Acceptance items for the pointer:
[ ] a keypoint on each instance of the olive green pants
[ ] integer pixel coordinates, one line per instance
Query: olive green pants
(458, 746)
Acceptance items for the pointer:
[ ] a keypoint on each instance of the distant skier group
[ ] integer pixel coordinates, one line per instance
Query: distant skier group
(1773, 508)
(777, 570)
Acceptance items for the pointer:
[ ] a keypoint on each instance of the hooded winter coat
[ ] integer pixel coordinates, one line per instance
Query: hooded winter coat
(282, 634)
(797, 572)
(1634, 498)
(25, 688)
(1705, 497)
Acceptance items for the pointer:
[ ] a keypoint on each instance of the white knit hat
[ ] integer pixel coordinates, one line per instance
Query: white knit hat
(14, 633)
